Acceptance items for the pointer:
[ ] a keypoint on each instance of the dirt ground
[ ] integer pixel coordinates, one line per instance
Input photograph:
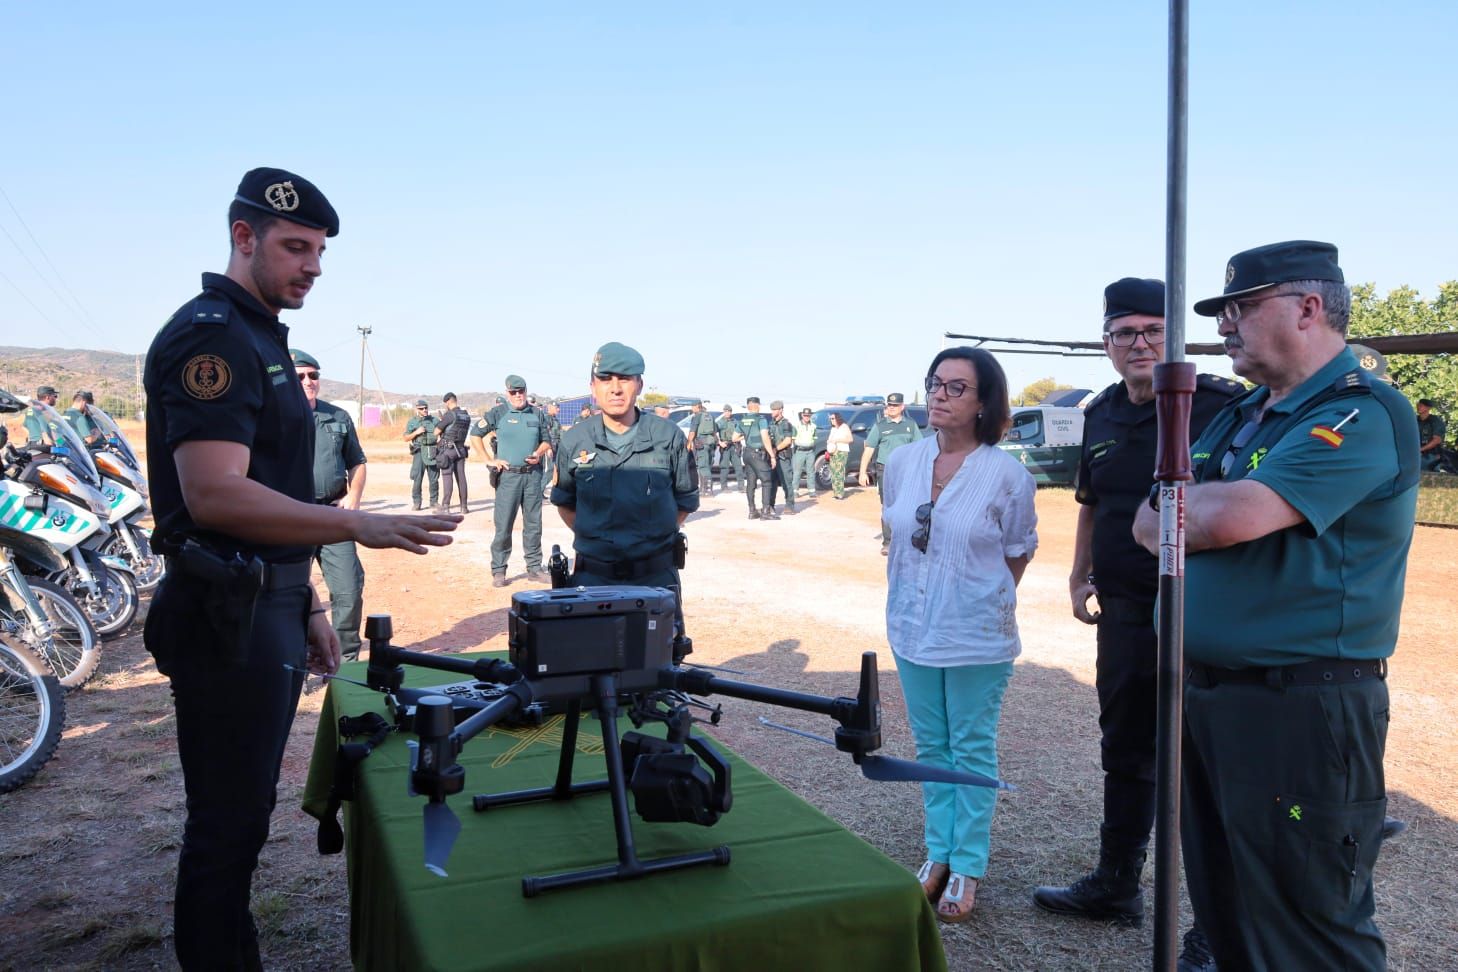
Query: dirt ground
(88, 849)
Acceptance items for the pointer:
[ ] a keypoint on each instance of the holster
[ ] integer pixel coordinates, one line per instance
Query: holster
(230, 590)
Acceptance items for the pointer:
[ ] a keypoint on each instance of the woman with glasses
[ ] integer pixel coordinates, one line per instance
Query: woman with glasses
(838, 444)
(963, 529)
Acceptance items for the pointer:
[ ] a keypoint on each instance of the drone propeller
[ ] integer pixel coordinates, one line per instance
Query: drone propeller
(889, 769)
(442, 826)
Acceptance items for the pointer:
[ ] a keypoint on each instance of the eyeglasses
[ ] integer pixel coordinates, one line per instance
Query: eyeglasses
(516, 391)
(311, 375)
(1242, 439)
(954, 389)
(922, 536)
(1127, 337)
(1232, 310)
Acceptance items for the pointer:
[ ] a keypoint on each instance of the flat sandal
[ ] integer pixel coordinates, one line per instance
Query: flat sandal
(930, 886)
(955, 895)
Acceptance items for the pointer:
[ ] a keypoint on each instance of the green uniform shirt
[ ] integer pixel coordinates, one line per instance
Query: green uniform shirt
(627, 503)
(705, 428)
(780, 430)
(518, 431)
(887, 436)
(83, 425)
(336, 451)
(38, 427)
(1330, 587)
(1431, 426)
(749, 426)
(725, 428)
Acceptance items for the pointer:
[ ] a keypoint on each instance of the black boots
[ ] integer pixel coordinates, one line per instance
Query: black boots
(1110, 893)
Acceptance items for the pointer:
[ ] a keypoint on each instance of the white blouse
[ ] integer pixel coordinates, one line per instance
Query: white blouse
(956, 604)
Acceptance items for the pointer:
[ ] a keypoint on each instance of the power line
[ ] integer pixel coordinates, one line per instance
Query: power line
(84, 313)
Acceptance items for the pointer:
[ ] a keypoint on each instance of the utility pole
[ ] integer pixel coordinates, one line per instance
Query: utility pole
(364, 336)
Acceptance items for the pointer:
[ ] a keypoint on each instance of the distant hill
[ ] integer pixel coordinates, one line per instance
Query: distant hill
(114, 379)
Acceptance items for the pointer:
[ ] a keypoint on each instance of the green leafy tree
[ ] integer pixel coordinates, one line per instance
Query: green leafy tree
(1404, 311)
(649, 399)
(1039, 390)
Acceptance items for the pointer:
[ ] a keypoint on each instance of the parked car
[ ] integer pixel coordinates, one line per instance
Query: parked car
(1046, 439)
(866, 400)
(860, 418)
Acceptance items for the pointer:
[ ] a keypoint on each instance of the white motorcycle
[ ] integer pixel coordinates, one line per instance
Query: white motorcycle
(125, 487)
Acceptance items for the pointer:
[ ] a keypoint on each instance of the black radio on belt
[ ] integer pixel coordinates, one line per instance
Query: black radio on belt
(560, 638)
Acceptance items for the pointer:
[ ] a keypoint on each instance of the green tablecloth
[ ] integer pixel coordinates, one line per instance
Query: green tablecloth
(801, 892)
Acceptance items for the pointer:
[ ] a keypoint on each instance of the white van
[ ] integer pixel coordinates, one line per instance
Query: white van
(1046, 439)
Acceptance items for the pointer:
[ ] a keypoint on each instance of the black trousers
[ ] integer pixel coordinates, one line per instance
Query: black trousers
(758, 475)
(455, 474)
(233, 721)
(1126, 673)
(1281, 822)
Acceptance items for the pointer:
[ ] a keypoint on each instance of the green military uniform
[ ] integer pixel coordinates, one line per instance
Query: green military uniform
(39, 428)
(83, 425)
(728, 453)
(803, 461)
(757, 471)
(1286, 704)
(519, 433)
(782, 430)
(885, 437)
(422, 459)
(1427, 428)
(706, 437)
(336, 453)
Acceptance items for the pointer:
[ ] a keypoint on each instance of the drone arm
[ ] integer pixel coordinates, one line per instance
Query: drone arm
(386, 655)
(518, 696)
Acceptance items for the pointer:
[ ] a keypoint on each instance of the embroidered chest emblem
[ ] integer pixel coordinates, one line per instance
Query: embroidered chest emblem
(584, 457)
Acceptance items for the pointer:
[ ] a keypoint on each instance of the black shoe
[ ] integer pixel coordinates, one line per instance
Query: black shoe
(1109, 893)
(754, 514)
(1391, 827)
(498, 580)
(1195, 956)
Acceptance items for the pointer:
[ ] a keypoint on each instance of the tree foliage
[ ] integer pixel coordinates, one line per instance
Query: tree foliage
(1404, 311)
(649, 399)
(1039, 390)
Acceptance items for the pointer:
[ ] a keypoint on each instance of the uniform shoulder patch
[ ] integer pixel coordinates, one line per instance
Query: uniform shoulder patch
(1100, 398)
(210, 310)
(206, 377)
(1218, 383)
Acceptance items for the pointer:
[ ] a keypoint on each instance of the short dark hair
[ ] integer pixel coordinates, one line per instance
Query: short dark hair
(448, 397)
(995, 417)
(1426, 401)
(257, 220)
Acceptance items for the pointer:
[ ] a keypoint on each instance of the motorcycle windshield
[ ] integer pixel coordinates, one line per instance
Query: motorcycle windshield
(68, 443)
(114, 435)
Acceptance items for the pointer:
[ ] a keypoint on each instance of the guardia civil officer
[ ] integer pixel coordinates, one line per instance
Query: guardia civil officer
(422, 435)
(38, 430)
(730, 445)
(782, 437)
(1296, 533)
(523, 439)
(1116, 467)
(1431, 432)
(892, 430)
(79, 417)
(450, 455)
(623, 482)
(339, 480)
(703, 437)
(752, 433)
(230, 455)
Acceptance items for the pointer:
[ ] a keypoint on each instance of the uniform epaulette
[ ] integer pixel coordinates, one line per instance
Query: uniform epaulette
(1358, 378)
(1100, 398)
(1218, 383)
(210, 310)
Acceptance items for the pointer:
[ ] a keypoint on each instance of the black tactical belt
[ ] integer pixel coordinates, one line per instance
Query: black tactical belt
(804, 448)
(1322, 671)
(522, 469)
(277, 577)
(625, 569)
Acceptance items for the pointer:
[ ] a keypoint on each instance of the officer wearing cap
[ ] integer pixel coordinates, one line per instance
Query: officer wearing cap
(803, 462)
(421, 434)
(339, 480)
(782, 434)
(624, 484)
(730, 445)
(892, 430)
(80, 419)
(752, 433)
(1296, 534)
(1116, 466)
(230, 456)
(523, 439)
(703, 436)
(450, 456)
(38, 429)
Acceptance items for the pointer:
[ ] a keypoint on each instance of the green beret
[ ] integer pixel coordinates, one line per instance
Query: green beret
(280, 193)
(515, 382)
(617, 359)
(303, 358)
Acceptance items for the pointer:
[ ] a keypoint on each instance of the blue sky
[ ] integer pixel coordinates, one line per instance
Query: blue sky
(790, 200)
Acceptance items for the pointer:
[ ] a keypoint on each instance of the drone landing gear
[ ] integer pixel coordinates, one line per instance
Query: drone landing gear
(629, 865)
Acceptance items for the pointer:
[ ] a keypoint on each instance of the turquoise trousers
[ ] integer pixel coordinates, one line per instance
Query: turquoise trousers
(954, 714)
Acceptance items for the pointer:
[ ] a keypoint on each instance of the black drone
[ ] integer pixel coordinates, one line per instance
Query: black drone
(609, 649)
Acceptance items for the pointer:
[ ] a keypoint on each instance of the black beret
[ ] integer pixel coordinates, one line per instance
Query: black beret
(1266, 266)
(45, 390)
(281, 193)
(1134, 295)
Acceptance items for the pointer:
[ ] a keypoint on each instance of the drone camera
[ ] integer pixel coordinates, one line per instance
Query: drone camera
(670, 785)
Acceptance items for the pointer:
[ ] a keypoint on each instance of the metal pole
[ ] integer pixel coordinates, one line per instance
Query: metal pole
(1174, 386)
(364, 336)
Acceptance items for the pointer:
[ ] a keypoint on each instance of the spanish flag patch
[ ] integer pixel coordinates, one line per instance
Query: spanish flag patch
(1328, 435)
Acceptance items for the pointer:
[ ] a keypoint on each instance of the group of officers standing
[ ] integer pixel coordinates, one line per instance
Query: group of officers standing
(1301, 515)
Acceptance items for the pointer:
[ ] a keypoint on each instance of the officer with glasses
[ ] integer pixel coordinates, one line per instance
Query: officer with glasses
(1296, 536)
(1121, 578)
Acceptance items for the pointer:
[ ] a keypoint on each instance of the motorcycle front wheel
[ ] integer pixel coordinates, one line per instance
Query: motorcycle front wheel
(112, 610)
(32, 714)
(74, 649)
(149, 570)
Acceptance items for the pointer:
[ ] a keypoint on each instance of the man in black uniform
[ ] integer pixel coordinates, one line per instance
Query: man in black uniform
(450, 455)
(782, 438)
(1115, 471)
(230, 455)
(753, 433)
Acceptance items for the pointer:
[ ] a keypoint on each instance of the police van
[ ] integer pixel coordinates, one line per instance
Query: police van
(1046, 439)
